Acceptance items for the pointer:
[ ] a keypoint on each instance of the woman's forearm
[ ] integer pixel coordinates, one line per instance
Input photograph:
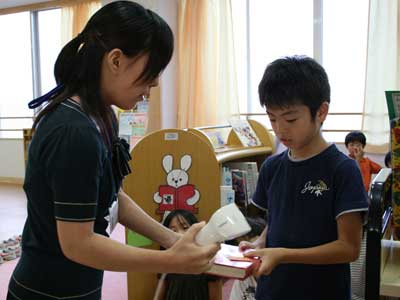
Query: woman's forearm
(142, 223)
(82, 245)
(103, 253)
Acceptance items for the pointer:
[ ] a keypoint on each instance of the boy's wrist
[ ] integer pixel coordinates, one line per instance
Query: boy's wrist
(287, 255)
(283, 255)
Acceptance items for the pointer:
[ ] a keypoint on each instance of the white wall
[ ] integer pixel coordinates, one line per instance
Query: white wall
(12, 163)
(168, 10)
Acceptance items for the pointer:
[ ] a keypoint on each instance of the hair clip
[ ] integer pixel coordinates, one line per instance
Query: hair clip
(46, 97)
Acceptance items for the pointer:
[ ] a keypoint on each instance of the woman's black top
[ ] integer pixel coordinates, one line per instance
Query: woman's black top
(69, 177)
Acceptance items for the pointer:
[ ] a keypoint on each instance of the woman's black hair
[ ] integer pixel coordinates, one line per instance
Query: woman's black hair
(125, 25)
(187, 215)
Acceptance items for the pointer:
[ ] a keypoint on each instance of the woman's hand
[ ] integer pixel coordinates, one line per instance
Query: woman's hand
(270, 258)
(175, 236)
(186, 256)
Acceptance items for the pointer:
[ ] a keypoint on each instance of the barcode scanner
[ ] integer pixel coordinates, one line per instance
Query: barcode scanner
(226, 223)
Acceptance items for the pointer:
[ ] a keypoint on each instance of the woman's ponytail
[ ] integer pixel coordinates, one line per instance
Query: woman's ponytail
(67, 60)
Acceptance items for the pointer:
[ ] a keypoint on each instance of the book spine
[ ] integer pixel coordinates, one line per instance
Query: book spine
(251, 269)
(227, 195)
(226, 176)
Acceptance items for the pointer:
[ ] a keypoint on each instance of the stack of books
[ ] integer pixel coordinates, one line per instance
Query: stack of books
(230, 263)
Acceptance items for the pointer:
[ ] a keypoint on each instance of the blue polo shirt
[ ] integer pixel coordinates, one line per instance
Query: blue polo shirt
(304, 199)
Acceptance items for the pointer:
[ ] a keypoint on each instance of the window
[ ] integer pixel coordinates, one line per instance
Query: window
(27, 58)
(344, 58)
(49, 45)
(15, 73)
(333, 32)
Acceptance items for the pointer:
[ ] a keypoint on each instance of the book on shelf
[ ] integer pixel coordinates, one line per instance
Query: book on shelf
(239, 185)
(226, 176)
(227, 195)
(245, 132)
(251, 177)
(215, 137)
(230, 263)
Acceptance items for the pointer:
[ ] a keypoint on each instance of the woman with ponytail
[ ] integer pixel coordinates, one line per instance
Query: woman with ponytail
(76, 164)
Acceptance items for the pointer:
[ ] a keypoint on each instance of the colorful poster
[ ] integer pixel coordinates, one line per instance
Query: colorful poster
(393, 103)
(125, 123)
(139, 124)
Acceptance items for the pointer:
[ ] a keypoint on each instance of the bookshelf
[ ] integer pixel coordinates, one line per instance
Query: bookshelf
(149, 176)
(382, 258)
(28, 134)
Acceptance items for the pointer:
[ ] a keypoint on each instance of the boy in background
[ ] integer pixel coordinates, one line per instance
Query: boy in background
(185, 286)
(355, 142)
(313, 192)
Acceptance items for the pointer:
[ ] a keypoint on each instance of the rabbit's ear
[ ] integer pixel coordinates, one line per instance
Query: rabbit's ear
(186, 162)
(167, 163)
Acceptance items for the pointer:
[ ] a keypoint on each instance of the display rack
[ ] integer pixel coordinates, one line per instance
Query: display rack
(382, 276)
(149, 177)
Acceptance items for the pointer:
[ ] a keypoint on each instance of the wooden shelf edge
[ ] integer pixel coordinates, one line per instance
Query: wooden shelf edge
(241, 152)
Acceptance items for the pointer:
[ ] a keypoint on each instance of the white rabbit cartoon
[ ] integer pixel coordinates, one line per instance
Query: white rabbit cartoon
(177, 180)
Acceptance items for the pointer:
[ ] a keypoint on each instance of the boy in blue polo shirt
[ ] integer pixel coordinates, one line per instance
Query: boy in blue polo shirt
(313, 193)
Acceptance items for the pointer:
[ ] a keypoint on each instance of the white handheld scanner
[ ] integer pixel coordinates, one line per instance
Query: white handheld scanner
(226, 223)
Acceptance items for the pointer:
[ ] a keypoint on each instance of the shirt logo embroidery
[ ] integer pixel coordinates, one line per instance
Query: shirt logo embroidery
(315, 189)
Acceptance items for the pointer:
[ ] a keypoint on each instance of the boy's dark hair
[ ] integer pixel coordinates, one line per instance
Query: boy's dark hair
(355, 136)
(187, 215)
(388, 159)
(125, 25)
(294, 80)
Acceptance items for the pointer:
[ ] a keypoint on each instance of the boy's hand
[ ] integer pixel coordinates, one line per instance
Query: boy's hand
(270, 258)
(258, 244)
(358, 153)
(185, 256)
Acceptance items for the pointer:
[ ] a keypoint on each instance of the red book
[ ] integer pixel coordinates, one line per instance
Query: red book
(167, 193)
(230, 262)
(176, 198)
(184, 193)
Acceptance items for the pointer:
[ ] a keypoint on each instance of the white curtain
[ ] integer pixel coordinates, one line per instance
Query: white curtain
(74, 18)
(382, 71)
(207, 84)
